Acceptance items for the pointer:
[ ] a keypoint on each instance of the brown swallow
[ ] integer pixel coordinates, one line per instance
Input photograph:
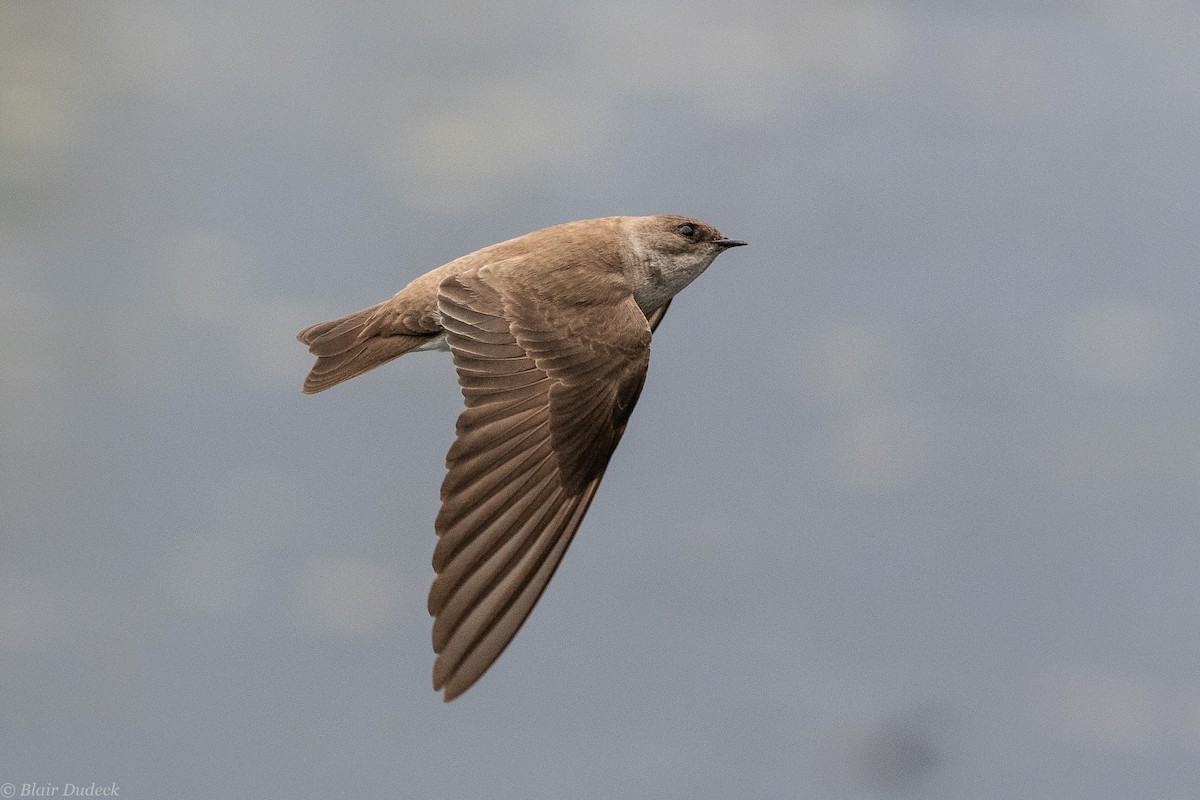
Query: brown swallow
(550, 334)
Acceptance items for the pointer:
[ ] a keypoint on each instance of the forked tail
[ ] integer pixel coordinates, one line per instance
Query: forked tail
(350, 346)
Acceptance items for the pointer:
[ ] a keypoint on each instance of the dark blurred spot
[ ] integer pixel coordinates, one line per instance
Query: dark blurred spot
(904, 751)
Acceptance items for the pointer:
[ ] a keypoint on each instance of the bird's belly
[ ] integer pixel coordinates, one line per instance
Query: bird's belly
(438, 343)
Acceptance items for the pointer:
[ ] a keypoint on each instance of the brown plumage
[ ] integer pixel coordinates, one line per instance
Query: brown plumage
(550, 334)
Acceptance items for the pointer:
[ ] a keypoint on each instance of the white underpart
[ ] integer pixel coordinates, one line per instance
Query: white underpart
(439, 344)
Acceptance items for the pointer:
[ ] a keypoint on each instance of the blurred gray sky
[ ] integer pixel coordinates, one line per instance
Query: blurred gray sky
(909, 505)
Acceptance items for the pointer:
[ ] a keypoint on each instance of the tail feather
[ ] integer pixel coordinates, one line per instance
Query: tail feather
(329, 338)
(347, 347)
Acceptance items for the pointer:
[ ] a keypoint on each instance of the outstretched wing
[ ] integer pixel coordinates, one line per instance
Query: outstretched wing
(548, 390)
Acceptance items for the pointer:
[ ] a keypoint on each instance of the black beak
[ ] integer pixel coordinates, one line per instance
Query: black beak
(729, 242)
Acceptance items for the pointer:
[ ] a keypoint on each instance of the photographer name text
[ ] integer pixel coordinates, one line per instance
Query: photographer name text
(92, 789)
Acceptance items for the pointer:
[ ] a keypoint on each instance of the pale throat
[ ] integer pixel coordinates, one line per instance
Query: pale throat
(656, 278)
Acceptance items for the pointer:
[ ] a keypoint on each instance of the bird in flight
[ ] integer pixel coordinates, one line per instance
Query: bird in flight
(550, 335)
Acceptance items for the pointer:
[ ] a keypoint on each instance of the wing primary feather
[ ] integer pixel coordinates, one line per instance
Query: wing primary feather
(498, 603)
(488, 557)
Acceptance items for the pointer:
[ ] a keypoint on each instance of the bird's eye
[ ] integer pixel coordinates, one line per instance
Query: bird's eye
(687, 230)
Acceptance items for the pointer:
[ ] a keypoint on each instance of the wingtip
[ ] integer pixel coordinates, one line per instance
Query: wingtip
(447, 686)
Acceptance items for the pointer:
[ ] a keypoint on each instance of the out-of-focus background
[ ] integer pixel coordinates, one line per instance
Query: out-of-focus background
(909, 507)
